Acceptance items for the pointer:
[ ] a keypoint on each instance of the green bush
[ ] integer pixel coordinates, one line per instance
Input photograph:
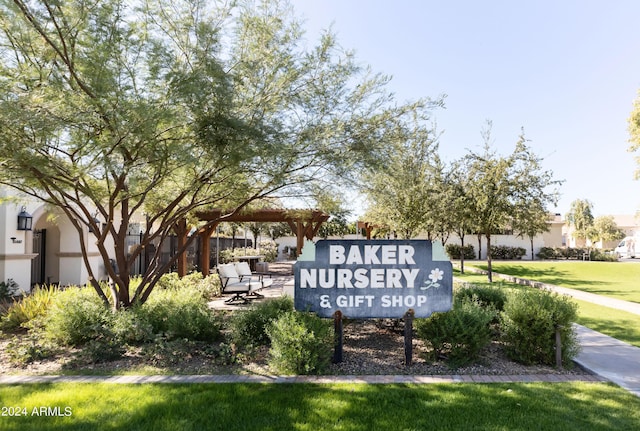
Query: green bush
(181, 313)
(529, 323)
(505, 252)
(487, 296)
(575, 253)
(131, 326)
(301, 343)
(602, 256)
(104, 347)
(28, 308)
(269, 249)
(208, 287)
(248, 328)
(76, 316)
(453, 250)
(458, 335)
(8, 289)
(28, 348)
(548, 253)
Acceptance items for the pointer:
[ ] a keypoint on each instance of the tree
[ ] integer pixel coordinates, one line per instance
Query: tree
(461, 214)
(580, 217)
(502, 188)
(113, 108)
(604, 228)
(529, 222)
(403, 193)
(531, 214)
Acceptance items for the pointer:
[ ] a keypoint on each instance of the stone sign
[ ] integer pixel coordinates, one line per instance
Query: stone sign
(373, 278)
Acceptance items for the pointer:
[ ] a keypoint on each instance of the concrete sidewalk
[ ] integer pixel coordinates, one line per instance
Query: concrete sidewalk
(609, 358)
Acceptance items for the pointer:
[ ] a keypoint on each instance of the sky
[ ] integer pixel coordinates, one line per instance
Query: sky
(565, 71)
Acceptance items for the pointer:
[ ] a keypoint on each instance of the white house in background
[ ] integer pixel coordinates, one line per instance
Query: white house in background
(46, 250)
(552, 238)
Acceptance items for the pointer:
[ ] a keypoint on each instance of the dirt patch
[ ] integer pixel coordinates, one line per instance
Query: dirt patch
(371, 347)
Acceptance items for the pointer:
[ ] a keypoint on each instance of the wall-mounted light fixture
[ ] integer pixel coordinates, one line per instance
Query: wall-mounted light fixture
(25, 219)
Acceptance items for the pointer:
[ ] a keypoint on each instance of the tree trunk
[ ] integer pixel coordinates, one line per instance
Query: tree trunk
(490, 274)
(462, 254)
(532, 257)
(479, 246)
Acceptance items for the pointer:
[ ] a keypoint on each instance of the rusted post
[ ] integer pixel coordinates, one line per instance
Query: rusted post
(337, 341)
(408, 337)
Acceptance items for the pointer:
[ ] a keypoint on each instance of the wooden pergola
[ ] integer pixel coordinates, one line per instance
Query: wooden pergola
(304, 223)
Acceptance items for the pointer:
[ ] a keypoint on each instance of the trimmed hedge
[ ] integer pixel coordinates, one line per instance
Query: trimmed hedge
(555, 253)
(453, 250)
(505, 252)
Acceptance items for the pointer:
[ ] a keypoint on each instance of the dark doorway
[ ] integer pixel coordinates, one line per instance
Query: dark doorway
(38, 263)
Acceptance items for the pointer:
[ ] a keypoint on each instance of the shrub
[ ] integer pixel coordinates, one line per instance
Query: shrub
(453, 250)
(28, 308)
(248, 328)
(460, 334)
(602, 256)
(301, 343)
(28, 348)
(181, 313)
(505, 252)
(131, 326)
(548, 253)
(269, 249)
(209, 287)
(8, 289)
(169, 280)
(487, 296)
(529, 323)
(76, 316)
(104, 347)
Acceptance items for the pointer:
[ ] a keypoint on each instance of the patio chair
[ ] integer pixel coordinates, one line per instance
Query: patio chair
(234, 284)
(258, 280)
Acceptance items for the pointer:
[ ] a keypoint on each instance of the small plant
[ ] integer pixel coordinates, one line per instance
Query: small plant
(301, 343)
(457, 335)
(28, 348)
(8, 289)
(248, 328)
(104, 347)
(529, 323)
(163, 351)
(28, 308)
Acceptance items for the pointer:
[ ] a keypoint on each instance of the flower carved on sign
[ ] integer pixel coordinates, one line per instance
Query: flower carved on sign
(434, 277)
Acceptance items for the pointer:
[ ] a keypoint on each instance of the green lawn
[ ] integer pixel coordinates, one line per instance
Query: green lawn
(532, 406)
(614, 279)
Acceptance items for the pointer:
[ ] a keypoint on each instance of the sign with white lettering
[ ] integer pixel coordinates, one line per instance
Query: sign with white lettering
(373, 279)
